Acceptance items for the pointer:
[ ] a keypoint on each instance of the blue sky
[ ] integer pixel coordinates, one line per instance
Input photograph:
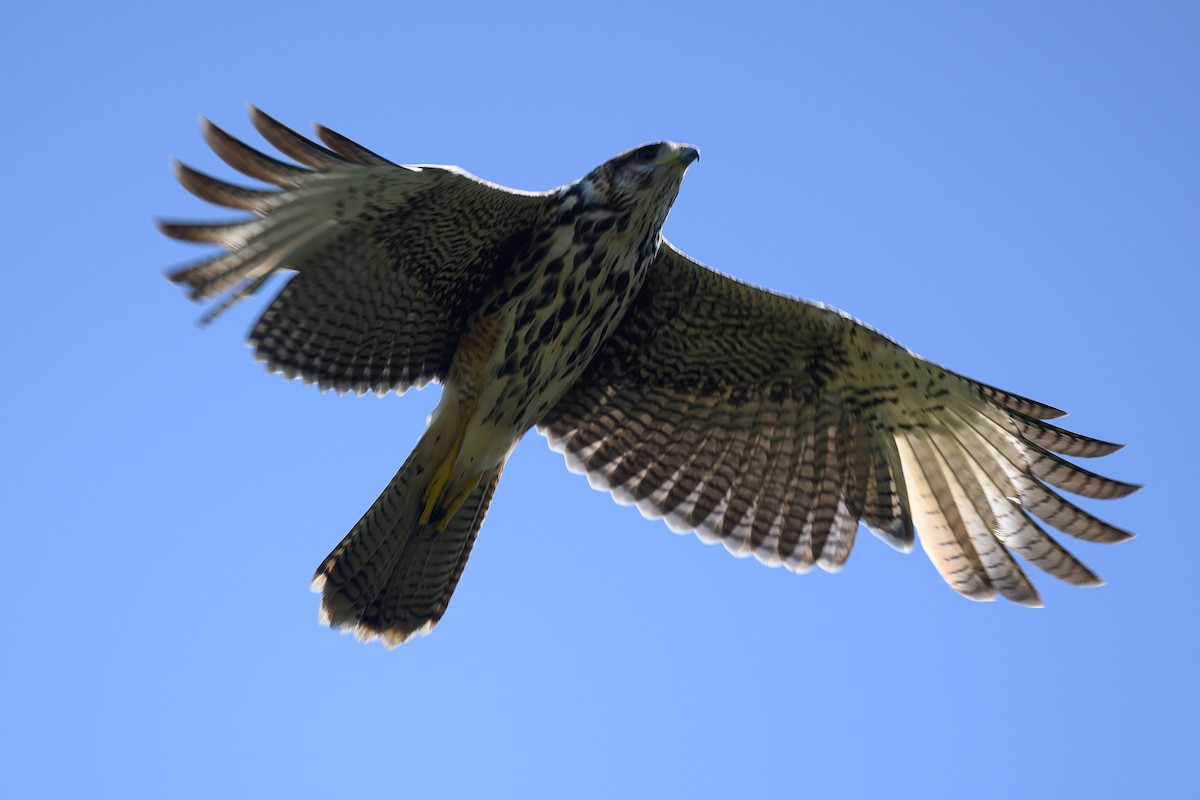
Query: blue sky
(1010, 191)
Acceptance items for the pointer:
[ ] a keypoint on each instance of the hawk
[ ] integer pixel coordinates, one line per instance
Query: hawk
(769, 424)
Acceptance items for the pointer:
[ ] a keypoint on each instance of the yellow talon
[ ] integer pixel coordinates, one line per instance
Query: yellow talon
(470, 366)
(452, 507)
(431, 500)
(436, 488)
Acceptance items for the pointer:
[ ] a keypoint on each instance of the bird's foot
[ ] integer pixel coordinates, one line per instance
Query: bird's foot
(440, 506)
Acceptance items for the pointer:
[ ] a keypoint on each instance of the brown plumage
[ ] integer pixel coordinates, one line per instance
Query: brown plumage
(770, 424)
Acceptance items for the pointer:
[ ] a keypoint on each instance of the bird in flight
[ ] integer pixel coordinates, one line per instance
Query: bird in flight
(767, 423)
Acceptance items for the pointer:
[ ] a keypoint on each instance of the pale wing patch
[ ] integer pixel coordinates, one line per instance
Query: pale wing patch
(775, 426)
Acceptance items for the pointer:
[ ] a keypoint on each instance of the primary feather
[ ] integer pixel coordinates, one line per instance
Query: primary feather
(772, 425)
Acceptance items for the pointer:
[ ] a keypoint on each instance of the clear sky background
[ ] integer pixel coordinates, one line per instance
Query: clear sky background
(1010, 190)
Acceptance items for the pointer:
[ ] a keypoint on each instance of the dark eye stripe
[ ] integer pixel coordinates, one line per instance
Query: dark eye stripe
(646, 153)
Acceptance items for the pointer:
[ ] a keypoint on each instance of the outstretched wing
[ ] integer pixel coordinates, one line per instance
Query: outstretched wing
(775, 425)
(390, 258)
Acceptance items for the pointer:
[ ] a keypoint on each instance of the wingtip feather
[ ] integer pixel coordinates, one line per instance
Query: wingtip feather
(350, 149)
(292, 144)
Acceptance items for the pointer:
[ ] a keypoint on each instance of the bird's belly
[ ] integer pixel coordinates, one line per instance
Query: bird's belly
(555, 336)
(532, 340)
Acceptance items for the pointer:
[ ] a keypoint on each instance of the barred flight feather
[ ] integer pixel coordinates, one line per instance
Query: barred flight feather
(775, 426)
(385, 281)
(772, 425)
(1061, 441)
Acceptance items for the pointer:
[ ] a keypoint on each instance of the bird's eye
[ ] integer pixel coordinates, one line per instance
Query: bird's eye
(646, 153)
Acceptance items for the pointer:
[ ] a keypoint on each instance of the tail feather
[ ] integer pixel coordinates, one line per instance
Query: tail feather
(391, 578)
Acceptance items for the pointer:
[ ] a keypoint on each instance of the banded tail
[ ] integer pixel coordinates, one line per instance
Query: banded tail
(391, 577)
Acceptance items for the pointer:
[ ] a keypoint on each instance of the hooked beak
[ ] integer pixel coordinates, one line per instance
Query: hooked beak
(687, 154)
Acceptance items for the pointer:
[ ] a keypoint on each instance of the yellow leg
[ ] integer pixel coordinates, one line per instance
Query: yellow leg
(434, 492)
(468, 375)
(451, 508)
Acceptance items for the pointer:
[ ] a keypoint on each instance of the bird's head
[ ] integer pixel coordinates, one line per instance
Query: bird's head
(647, 176)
